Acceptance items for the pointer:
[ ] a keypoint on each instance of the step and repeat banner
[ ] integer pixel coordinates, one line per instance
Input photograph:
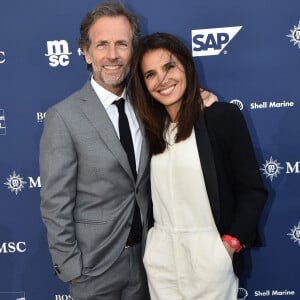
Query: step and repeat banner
(246, 52)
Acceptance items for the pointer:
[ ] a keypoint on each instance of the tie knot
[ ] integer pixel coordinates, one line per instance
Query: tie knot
(120, 103)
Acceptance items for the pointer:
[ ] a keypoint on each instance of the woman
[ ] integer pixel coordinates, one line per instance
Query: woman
(206, 188)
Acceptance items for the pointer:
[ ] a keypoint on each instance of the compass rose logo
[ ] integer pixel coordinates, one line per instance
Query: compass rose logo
(15, 183)
(295, 234)
(295, 35)
(271, 168)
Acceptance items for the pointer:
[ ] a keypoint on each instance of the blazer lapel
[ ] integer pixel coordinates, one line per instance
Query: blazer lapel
(208, 166)
(96, 113)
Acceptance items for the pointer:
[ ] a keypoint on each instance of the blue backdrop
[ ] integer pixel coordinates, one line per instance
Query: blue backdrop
(247, 52)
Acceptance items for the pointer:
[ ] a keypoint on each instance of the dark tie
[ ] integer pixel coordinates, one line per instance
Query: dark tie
(126, 141)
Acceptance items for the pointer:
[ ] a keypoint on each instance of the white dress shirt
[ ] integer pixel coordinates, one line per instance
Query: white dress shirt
(107, 98)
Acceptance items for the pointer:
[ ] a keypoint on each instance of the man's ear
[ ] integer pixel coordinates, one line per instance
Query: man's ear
(87, 56)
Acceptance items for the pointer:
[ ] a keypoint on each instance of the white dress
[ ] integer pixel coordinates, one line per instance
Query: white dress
(185, 257)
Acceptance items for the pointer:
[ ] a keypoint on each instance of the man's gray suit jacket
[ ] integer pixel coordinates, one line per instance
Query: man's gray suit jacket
(88, 190)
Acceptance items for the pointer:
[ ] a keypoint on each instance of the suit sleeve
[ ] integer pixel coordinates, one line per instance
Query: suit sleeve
(58, 171)
(249, 191)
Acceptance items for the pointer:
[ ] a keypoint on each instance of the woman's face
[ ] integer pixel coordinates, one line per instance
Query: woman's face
(165, 79)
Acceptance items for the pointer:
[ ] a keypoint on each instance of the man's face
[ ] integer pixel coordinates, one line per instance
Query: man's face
(110, 52)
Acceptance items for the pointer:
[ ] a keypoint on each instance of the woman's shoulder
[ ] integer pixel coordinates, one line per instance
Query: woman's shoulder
(222, 106)
(221, 111)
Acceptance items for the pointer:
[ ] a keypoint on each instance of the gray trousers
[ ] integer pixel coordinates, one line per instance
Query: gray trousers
(124, 280)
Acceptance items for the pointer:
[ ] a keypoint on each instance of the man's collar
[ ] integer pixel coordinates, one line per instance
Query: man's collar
(105, 96)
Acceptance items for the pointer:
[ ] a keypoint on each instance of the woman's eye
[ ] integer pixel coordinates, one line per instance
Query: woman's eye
(148, 75)
(170, 66)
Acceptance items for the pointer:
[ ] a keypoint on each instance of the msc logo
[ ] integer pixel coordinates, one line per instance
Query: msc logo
(295, 35)
(272, 168)
(2, 57)
(295, 234)
(12, 247)
(16, 183)
(212, 41)
(58, 52)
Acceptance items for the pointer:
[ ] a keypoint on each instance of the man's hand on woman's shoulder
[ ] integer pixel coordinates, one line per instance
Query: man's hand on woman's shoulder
(208, 97)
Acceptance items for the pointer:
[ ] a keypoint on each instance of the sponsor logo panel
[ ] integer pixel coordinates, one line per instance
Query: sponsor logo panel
(272, 168)
(12, 247)
(58, 53)
(261, 104)
(243, 294)
(212, 41)
(16, 182)
(274, 293)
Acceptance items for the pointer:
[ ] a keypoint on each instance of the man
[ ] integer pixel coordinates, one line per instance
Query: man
(94, 198)
(89, 190)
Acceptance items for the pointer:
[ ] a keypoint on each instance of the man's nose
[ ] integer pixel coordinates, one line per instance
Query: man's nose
(112, 52)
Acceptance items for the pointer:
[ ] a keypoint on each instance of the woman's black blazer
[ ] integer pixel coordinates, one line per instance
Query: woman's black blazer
(231, 173)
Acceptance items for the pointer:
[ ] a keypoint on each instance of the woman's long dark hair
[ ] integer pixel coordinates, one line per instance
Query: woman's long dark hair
(152, 113)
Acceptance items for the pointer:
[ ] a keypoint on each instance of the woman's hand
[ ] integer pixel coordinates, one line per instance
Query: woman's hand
(229, 249)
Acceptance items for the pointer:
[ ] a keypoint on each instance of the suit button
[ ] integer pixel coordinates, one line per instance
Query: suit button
(137, 190)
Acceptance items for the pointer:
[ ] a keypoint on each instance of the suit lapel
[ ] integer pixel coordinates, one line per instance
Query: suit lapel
(97, 115)
(208, 166)
(144, 157)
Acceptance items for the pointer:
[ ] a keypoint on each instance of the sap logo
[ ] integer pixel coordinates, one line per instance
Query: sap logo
(40, 116)
(212, 41)
(2, 57)
(12, 247)
(58, 52)
(63, 297)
